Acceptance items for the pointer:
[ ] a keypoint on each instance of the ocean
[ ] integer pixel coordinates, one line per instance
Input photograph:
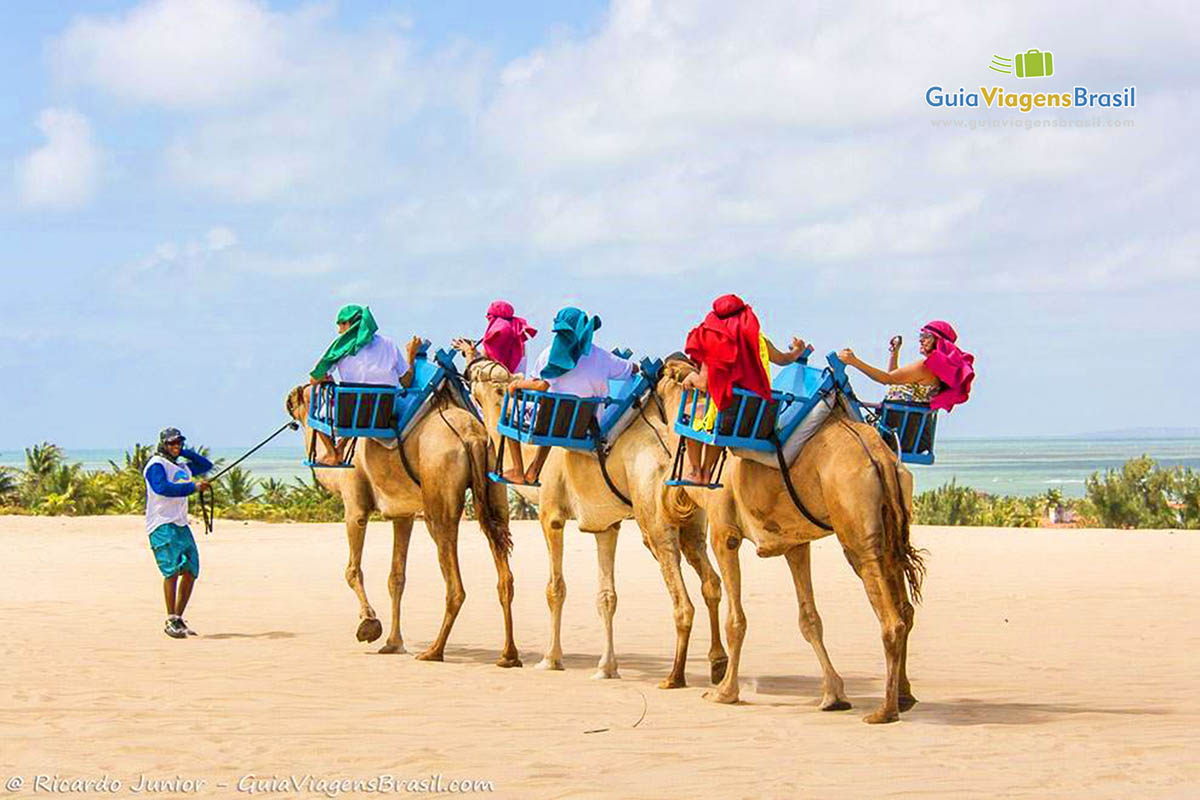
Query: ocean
(1000, 466)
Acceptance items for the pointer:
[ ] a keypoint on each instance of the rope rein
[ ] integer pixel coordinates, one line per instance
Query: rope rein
(208, 502)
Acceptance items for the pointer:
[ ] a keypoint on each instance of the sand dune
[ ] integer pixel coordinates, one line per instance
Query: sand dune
(1048, 664)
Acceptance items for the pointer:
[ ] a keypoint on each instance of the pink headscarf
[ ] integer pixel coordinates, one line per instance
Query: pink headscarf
(504, 339)
(953, 367)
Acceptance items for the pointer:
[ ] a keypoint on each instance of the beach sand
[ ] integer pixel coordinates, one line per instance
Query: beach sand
(1047, 663)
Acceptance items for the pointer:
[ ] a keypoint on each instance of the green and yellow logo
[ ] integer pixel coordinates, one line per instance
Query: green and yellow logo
(1030, 64)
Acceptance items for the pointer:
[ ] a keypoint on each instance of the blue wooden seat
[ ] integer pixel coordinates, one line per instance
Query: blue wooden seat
(756, 429)
(354, 410)
(550, 419)
(911, 427)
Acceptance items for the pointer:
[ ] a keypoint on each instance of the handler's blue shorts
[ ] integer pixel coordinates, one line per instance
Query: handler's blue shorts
(175, 550)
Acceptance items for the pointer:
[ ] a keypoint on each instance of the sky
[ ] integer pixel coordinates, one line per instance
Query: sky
(194, 187)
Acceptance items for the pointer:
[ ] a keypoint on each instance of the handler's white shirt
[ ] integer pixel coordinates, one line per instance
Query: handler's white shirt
(380, 362)
(161, 509)
(590, 376)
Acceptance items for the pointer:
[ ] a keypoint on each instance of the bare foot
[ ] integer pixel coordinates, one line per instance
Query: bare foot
(430, 655)
(512, 476)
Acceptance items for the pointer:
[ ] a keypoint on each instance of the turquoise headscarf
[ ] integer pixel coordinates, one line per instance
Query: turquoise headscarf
(573, 331)
(357, 336)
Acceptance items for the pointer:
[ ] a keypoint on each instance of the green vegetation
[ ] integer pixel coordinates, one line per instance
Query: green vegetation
(1141, 494)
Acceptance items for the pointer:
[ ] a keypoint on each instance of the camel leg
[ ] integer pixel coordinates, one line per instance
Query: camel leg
(729, 560)
(881, 593)
(401, 536)
(504, 587)
(899, 588)
(369, 627)
(667, 555)
(606, 599)
(833, 692)
(692, 540)
(446, 536)
(556, 592)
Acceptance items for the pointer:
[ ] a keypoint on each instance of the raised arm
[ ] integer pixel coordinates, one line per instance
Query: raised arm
(197, 463)
(916, 372)
(414, 345)
(784, 358)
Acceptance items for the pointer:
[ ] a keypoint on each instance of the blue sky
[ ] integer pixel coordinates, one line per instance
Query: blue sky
(195, 186)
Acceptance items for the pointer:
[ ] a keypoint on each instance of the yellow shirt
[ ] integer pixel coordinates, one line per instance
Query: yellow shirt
(709, 419)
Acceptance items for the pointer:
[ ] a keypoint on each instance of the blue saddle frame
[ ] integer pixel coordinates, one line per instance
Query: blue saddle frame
(910, 428)
(382, 412)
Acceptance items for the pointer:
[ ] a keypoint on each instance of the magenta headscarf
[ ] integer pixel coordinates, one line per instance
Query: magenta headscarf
(953, 367)
(504, 339)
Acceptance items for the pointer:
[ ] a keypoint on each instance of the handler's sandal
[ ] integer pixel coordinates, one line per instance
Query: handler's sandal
(174, 628)
(186, 629)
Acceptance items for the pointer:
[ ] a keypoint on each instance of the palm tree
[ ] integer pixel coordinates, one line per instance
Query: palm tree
(10, 485)
(239, 485)
(40, 461)
(273, 491)
(135, 461)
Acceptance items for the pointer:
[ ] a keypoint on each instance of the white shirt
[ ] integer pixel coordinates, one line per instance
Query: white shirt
(161, 509)
(380, 362)
(590, 376)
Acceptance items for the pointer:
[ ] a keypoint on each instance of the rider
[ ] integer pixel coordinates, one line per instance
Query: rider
(361, 355)
(168, 485)
(942, 377)
(504, 339)
(572, 364)
(731, 352)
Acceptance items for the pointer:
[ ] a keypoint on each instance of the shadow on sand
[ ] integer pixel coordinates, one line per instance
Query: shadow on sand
(971, 711)
(263, 635)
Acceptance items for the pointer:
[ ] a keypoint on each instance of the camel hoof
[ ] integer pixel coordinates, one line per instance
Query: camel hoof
(837, 704)
(555, 664)
(881, 716)
(671, 682)
(605, 675)
(389, 649)
(369, 630)
(430, 655)
(718, 668)
(508, 662)
(906, 702)
(717, 696)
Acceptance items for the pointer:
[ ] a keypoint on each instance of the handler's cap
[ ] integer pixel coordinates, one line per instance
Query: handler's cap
(170, 435)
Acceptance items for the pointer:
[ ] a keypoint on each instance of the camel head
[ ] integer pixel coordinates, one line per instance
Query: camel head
(296, 404)
(489, 380)
(676, 367)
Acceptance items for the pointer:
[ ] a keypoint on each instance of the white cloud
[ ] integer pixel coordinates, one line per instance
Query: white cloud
(63, 172)
(280, 106)
(176, 53)
(220, 238)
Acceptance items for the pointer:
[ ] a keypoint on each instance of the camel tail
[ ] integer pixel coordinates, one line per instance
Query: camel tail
(677, 507)
(491, 506)
(897, 527)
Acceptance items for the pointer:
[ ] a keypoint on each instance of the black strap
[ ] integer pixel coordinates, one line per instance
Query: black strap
(787, 481)
(207, 509)
(404, 460)
(601, 456)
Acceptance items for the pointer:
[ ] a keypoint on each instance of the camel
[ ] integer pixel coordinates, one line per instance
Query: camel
(448, 451)
(847, 478)
(572, 487)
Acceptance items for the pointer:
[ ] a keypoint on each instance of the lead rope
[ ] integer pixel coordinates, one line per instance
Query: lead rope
(208, 504)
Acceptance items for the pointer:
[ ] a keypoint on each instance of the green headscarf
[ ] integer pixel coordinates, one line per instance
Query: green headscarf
(357, 336)
(573, 331)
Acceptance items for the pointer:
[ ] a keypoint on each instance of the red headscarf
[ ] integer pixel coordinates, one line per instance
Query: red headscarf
(504, 339)
(952, 366)
(727, 342)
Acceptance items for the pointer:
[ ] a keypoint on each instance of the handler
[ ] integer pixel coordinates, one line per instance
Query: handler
(168, 485)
